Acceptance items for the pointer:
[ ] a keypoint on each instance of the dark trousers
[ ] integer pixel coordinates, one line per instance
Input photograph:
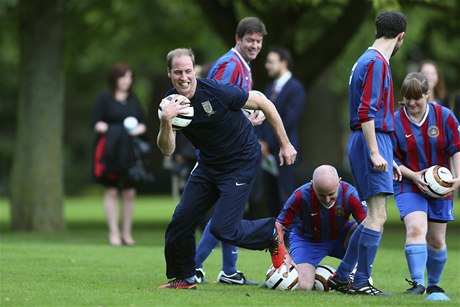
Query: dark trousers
(228, 192)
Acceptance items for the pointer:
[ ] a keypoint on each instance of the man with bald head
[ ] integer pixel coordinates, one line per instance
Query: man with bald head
(316, 218)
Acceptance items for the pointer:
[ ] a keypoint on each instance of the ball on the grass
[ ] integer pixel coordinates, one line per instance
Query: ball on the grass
(322, 273)
(283, 278)
(181, 120)
(437, 176)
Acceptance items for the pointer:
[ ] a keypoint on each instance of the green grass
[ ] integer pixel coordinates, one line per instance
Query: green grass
(78, 268)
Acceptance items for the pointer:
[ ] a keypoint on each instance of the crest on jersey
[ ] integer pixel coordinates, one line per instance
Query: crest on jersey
(433, 131)
(339, 211)
(208, 108)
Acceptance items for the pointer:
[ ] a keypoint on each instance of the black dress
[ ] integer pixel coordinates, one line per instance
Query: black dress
(113, 152)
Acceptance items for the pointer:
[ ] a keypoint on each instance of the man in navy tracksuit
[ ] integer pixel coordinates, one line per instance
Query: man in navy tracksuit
(228, 161)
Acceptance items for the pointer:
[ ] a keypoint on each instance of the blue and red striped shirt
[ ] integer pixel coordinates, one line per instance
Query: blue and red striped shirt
(371, 92)
(304, 215)
(232, 68)
(421, 145)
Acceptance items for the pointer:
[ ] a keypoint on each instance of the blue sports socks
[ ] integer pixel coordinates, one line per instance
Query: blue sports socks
(349, 260)
(416, 255)
(207, 243)
(367, 250)
(435, 265)
(229, 258)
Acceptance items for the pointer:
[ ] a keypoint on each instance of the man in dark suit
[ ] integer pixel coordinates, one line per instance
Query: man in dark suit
(288, 95)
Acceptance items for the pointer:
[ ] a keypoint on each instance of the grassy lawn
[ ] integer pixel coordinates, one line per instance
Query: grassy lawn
(78, 268)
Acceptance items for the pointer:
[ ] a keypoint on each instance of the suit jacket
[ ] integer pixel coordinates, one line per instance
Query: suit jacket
(289, 103)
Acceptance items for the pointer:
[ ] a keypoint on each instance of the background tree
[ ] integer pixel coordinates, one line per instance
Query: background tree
(36, 185)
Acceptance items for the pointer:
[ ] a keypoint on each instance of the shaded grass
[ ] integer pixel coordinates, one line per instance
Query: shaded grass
(78, 268)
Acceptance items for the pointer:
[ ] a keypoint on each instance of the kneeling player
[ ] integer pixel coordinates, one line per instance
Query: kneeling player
(317, 219)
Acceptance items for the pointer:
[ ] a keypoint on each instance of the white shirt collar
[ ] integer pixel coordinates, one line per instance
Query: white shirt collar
(381, 52)
(281, 81)
(242, 59)
(423, 118)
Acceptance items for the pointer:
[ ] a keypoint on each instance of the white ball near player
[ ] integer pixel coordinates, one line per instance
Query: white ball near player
(249, 112)
(437, 176)
(181, 120)
(282, 278)
(322, 273)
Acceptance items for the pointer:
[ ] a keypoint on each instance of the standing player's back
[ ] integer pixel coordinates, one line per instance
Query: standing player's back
(371, 85)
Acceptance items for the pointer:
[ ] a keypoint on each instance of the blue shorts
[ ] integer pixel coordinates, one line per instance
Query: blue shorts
(437, 209)
(368, 181)
(304, 251)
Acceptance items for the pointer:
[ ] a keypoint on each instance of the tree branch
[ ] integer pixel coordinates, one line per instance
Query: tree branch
(332, 42)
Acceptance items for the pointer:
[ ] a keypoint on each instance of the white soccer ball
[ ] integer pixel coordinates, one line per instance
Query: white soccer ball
(437, 176)
(282, 279)
(181, 120)
(130, 123)
(323, 272)
(249, 112)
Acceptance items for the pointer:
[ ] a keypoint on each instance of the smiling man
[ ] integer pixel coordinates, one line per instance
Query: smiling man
(229, 157)
(234, 66)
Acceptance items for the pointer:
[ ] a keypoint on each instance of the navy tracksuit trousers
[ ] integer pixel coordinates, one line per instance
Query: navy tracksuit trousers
(228, 191)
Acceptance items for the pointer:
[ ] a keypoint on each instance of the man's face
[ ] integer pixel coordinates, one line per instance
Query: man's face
(249, 45)
(273, 65)
(182, 75)
(327, 193)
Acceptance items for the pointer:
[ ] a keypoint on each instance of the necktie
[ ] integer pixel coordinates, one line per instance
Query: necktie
(274, 93)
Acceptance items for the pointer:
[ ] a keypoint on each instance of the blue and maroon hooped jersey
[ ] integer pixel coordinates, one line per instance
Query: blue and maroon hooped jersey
(304, 215)
(232, 68)
(371, 92)
(420, 145)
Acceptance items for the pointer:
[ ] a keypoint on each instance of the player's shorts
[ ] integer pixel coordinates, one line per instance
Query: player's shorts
(437, 209)
(368, 181)
(304, 251)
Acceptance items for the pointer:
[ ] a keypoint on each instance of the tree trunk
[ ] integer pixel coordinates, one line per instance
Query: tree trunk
(37, 174)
